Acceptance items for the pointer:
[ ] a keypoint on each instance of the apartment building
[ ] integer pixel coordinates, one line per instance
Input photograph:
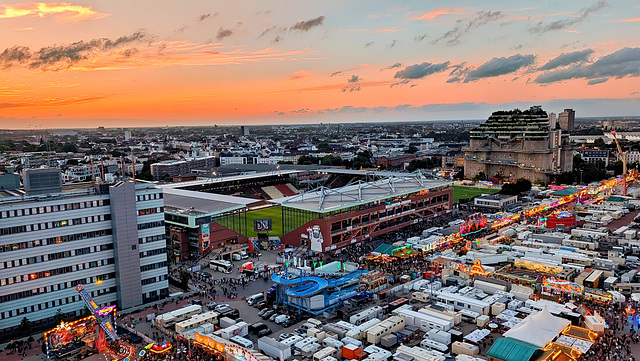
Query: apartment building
(518, 144)
(108, 237)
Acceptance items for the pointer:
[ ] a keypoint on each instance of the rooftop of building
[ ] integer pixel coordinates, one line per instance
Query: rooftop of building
(324, 199)
(193, 203)
(509, 349)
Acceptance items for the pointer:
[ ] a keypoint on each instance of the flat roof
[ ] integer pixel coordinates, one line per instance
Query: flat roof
(226, 179)
(362, 172)
(324, 199)
(193, 203)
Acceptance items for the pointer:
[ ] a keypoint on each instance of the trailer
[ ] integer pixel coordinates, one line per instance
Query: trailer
(391, 324)
(273, 348)
(460, 302)
(366, 315)
(324, 353)
(424, 321)
(452, 317)
(360, 331)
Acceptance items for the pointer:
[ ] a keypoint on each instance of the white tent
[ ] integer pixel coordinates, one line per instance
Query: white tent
(538, 329)
(528, 331)
(545, 320)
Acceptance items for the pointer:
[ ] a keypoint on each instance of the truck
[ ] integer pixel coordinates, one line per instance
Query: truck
(352, 352)
(273, 348)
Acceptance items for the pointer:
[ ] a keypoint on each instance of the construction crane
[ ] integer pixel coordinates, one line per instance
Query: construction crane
(623, 157)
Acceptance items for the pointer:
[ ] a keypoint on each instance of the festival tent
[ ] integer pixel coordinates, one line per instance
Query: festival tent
(545, 320)
(538, 329)
(529, 331)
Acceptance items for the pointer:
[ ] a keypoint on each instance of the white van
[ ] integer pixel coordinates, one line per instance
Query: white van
(253, 299)
(242, 341)
(434, 345)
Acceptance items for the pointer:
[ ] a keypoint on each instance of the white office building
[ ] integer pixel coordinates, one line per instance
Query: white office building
(54, 237)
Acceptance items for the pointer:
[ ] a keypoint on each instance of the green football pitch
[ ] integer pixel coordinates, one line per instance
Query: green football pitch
(460, 192)
(274, 213)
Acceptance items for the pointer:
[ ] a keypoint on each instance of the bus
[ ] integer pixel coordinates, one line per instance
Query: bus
(221, 266)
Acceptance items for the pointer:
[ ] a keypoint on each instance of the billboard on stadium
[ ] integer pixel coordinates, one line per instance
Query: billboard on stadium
(262, 225)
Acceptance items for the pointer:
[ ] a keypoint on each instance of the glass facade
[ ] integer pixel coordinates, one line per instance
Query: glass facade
(293, 218)
(235, 220)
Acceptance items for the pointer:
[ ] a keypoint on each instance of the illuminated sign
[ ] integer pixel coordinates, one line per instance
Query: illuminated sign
(477, 269)
(105, 310)
(262, 225)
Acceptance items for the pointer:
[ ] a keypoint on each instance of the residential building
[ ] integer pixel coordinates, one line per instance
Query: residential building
(79, 234)
(180, 167)
(495, 202)
(81, 173)
(567, 120)
(518, 144)
(595, 156)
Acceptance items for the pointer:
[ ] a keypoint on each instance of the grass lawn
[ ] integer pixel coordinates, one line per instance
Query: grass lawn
(460, 192)
(275, 213)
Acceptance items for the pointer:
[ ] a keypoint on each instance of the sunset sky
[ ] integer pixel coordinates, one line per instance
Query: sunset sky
(132, 63)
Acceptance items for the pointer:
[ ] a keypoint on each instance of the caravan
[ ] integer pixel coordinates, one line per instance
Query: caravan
(366, 315)
(434, 345)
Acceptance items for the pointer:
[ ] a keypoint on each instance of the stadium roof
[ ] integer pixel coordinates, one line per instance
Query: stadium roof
(225, 179)
(324, 199)
(193, 203)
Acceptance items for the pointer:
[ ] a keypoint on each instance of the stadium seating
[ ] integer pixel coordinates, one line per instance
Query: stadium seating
(286, 191)
(272, 192)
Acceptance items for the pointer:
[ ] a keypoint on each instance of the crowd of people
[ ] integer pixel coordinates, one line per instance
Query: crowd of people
(615, 344)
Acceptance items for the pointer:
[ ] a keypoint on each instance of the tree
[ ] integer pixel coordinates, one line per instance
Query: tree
(69, 148)
(58, 317)
(599, 143)
(480, 176)
(25, 326)
(459, 175)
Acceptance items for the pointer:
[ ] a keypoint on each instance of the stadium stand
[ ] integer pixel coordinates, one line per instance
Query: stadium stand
(272, 192)
(286, 191)
(293, 189)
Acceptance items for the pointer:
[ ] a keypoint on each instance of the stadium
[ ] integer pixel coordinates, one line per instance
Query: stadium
(279, 207)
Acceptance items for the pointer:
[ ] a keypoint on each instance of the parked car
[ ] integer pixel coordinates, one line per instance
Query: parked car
(262, 311)
(281, 319)
(272, 318)
(261, 305)
(285, 336)
(264, 332)
(266, 315)
(196, 302)
(257, 327)
(211, 305)
(220, 306)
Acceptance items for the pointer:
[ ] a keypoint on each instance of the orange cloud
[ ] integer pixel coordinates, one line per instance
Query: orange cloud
(300, 74)
(631, 20)
(171, 53)
(437, 12)
(65, 10)
(50, 102)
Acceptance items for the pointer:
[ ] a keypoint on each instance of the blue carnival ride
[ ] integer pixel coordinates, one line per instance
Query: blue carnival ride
(317, 293)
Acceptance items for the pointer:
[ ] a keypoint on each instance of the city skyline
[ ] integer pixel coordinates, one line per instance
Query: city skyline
(83, 64)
